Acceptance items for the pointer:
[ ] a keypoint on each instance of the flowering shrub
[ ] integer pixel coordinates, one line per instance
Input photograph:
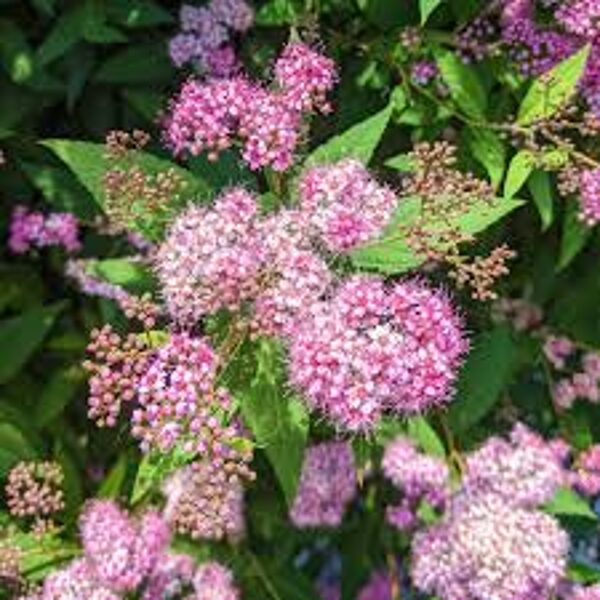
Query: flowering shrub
(319, 319)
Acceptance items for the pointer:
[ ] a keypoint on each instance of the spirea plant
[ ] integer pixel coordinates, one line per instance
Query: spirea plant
(321, 321)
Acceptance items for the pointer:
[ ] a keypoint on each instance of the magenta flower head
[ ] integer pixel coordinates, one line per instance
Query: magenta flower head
(305, 77)
(29, 229)
(327, 485)
(589, 187)
(488, 549)
(379, 587)
(373, 348)
(345, 206)
(214, 582)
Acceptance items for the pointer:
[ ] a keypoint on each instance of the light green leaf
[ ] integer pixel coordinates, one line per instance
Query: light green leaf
(153, 470)
(489, 368)
(489, 150)
(426, 437)
(15, 54)
(540, 186)
(134, 276)
(391, 254)
(20, 337)
(113, 482)
(521, 166)
(401, 162)
(360, 141)
(88, 162)
(554, 89)
(277, 12)
(427, 7)
(279, 422)
(57, 393)
(463, 82)
(575, 235)
(566, 502)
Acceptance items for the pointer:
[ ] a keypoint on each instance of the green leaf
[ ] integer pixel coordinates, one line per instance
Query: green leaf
(279, 423)
(489, 368)
(391, 254)
(575, 235)
(464, 84)
(566, 502)
(554, 89)
(57, 393)
(88, 162)
(21, 336)
(427, 7)
(489, 150)
(72, 484)
(141, 63)
(61, 189)
(359, 141)
(277, 12)
(521, 166)
(145, 102)
(15, 54)
(401, 162)
(154, 468)
(134, 276)
(540, 186)
(426, 437)
(138, 13)
(66, 32)
(113, 482)
(14, 446)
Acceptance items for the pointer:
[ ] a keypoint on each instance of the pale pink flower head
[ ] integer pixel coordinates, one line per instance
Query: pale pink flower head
(211, 258)
(345, 206)
(585, 476)
(327, 485)
(213, 581)
(524, 470)
(76, 582)
(557, 350)
(486, 548)
(236, 14)
(418, 477)
(580, 592)
(305, 77)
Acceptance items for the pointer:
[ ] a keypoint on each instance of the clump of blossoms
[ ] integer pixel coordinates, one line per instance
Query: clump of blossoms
(373, 348)
(589, 194)
(205, 499)
(345, 206)
(266, 122)
(124, 556)
(205, 39)
(523, 469)
(34, 492)
(32, 229)
(379, 587)
(419, 477)
(486, 548)
(327, 486)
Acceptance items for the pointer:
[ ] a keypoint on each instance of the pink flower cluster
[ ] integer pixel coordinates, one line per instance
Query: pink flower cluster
(177, 399)
(327, 485)
(524, 470)
(419, 477)
(205, 37)
(122, 556)
(227, 256)
(31, 229)
(205, 502)
(423, 72)
(213, 115)
(580, 592)
(585, 472)
(493, 542)
(379, 587)
(344, 205)
(373, 348)
(486, 548)
(589, 194)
